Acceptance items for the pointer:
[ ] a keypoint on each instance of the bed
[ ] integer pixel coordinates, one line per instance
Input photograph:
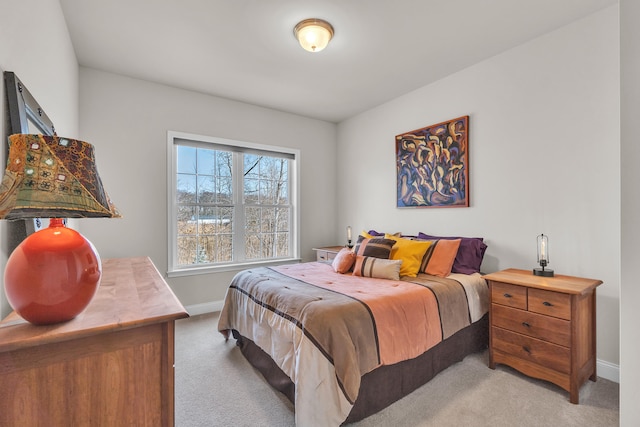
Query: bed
(341, 345)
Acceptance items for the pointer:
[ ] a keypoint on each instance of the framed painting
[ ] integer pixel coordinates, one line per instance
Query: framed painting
(433, 165)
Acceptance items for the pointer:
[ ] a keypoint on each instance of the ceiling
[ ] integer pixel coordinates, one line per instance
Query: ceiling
(245, 49)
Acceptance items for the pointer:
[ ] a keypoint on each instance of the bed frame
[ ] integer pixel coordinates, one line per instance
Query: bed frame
(386, 384)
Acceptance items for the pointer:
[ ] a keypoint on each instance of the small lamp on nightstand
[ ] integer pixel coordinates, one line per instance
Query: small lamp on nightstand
(349, 244)
(543, 257)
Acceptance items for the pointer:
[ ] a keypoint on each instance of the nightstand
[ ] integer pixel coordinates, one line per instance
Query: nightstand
(545, 327)
(327, 253)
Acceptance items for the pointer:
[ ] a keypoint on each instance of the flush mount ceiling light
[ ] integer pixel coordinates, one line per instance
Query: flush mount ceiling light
(313, 34)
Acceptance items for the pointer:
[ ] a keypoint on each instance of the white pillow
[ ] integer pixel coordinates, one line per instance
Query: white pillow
(379, 268)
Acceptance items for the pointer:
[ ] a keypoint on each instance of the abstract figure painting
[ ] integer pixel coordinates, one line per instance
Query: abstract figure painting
(433, 165)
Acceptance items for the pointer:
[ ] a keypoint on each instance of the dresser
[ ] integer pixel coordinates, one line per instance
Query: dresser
(113, 365)
(545, 327)
(327, 253)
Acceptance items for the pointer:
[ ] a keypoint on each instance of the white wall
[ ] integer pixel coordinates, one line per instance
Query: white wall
(127, 120)
(544, 158)
(35, 44)
(630, 230)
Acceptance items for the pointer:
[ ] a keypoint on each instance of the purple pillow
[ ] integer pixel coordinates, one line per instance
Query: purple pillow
(469, 256)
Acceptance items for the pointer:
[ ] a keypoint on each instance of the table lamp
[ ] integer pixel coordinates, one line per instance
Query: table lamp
(54, 273)
(543, 257)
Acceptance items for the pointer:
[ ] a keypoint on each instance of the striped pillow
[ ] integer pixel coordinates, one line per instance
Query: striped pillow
(438, 260)
(377, 267)
(378, 248)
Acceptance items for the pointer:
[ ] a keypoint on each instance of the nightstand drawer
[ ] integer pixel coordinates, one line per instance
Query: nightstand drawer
(533, 350)
(550, 329)
(550, 303)
(510, 295)
(327, 253)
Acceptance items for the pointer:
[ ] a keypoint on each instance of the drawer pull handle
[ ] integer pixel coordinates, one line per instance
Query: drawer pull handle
(526, 349)
(507, 295)
(548, 304)
(526, 325)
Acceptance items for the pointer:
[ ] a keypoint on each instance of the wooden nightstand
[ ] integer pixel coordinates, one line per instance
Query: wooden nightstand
(327, 253)
(544, 327)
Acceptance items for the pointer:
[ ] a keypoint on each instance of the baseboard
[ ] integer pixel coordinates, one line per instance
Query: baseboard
(605, 369)
(608, 370)
(207, 307)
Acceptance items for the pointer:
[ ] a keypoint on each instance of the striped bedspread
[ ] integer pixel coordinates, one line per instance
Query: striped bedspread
(325, 330)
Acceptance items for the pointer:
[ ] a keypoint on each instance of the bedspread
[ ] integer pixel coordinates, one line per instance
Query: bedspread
(325, 330)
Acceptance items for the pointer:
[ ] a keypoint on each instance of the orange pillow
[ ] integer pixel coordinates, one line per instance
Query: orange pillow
(343, 261)
(438, 260)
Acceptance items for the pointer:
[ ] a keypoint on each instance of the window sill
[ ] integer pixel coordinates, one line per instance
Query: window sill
(209, 269)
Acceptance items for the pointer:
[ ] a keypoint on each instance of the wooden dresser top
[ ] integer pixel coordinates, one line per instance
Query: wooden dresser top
(132, 293)
(558, 283)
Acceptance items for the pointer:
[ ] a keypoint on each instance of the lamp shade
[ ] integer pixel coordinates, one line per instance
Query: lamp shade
(54, 273)
(313, 34)
(52, 177)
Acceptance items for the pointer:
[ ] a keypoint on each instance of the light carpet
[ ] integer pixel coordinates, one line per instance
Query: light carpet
(216, 386)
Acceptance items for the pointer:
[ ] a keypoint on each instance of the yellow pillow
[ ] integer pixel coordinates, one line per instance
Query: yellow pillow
(410, 252)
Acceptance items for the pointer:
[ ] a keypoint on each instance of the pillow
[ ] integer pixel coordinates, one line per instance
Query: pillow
(439, 258)
(374, 233)
(470, 253)
(377, 247)
(343, 261)
(369, 235)
(411, 252)
(379, 268)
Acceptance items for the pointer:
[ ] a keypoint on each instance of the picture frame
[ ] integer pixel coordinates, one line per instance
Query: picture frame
(433, 165)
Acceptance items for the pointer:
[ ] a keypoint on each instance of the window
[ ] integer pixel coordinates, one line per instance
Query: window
(231, 203)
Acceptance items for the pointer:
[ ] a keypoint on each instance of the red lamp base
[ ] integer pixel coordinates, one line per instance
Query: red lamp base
(52, 275)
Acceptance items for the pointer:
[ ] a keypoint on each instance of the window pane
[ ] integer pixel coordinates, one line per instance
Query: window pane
(205, 249)
(186, 159)
(224, 190)
(251, 165)
(185, 216)
(224, 248)
(252, 246)
(282, 245)
(206, 189)
(186, 250)
(283, 196)
(224, 163)
(251, 192)
(186, 188)
(282, 219)
(252, 219)
(206, 161)
(268, 220)
(267, 245)
(186, 221)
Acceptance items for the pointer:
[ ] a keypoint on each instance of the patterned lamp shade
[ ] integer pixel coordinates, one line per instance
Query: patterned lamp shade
(52, 177)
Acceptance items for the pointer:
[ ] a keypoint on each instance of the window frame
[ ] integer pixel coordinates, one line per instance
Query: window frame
(173, 140)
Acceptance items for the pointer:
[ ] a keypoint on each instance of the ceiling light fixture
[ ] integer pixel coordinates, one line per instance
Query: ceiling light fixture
(313, 34)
